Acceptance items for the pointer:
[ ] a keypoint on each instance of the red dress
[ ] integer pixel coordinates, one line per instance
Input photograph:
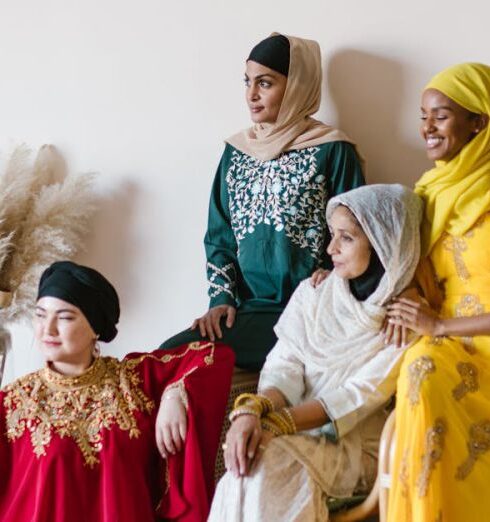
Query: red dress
(82, 449)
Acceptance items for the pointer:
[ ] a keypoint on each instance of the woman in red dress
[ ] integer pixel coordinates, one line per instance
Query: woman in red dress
(91, 438)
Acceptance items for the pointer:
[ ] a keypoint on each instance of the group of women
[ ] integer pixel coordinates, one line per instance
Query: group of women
(308, 279)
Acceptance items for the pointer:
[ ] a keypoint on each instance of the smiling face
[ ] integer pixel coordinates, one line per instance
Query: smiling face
(446, 126)
(264, 92)
(63, 335)
(349, 247)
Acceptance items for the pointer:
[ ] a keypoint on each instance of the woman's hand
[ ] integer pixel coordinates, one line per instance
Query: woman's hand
(209, 323)
(395, 333)
(416, 316)
(318, 276)
(267, 436)
(171, 424)
(242, 441)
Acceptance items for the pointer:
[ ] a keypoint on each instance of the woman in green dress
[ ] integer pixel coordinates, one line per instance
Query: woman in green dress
(266, 229)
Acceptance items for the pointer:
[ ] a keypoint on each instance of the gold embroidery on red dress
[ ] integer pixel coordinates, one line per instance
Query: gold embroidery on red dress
(107, 394)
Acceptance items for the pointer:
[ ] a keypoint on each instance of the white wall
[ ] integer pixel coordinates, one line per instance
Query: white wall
(145, 91)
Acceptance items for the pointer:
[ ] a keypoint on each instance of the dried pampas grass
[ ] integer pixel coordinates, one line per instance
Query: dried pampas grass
(44, 214)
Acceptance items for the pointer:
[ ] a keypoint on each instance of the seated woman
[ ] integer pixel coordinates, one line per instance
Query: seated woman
(266, 228)
(78, 440)
(442, 459)
(330, 368)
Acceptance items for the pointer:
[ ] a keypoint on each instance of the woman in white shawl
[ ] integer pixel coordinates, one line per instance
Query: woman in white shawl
(312, 432)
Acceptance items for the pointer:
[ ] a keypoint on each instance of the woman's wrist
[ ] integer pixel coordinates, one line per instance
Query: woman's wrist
(176, 391)
(439, 328)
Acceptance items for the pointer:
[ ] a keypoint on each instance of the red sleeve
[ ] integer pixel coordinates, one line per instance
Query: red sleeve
(206, 370)
(5, 453)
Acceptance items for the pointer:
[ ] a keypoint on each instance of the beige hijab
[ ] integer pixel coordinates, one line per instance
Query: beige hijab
(294, 128)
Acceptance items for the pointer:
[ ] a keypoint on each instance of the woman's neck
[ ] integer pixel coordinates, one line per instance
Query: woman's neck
(71, 369)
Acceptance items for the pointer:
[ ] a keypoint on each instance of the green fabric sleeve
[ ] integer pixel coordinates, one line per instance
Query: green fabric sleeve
(345, 173)
(220, 243)
(345, 169)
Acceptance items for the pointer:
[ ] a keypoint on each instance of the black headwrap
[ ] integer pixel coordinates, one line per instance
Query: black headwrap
(273, 52)
(86, 289)
(365, 284)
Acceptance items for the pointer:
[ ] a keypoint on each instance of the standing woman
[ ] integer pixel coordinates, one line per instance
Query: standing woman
(442, 460)
(266, 229)
(92, 438)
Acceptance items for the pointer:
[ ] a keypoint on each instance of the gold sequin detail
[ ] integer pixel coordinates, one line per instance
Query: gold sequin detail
(45, 402)
(469, 306)
(107, 394)
(434, 445)
(469, 382)
(404, 474)
(478, 444)
(457, 245)
(418, 370)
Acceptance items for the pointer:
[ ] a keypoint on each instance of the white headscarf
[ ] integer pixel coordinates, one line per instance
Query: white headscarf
(335, 331)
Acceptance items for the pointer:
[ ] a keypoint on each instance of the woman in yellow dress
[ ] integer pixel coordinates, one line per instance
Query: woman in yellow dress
(442, 460)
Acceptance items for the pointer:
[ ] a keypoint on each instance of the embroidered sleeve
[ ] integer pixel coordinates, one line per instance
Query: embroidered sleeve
(220, 243)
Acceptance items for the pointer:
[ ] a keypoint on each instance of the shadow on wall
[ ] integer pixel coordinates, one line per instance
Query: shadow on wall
(109, 247)
(369, 93)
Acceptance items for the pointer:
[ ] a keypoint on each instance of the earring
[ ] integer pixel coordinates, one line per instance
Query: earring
(96, 348)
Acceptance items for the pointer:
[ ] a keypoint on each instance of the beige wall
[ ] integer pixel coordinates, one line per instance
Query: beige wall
(145, 91)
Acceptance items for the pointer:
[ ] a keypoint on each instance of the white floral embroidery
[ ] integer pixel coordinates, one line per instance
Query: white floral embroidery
(221, 279)
(286, 193)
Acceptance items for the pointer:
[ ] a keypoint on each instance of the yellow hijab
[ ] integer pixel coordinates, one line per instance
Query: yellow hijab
(457, 192)
(294, 128)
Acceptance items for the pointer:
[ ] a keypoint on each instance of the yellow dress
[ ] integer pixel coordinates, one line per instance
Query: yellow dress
(442, 459)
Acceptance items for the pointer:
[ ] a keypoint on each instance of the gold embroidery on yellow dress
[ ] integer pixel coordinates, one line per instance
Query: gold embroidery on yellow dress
(434, 445)
(107, 394)
(469, 383)
(418, 370)
(478, 444)
(457, 245)
(469, 306)
(404, 473)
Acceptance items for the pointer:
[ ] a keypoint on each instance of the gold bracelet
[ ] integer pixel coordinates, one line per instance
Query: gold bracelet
(270, 427)
(262, 404)
(242, 411)
(292, 424)
(280, 422)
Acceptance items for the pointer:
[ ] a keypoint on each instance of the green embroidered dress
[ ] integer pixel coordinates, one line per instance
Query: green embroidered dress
(266, 233)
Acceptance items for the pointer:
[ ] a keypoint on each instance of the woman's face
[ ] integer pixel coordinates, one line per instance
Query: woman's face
(349, 247)
(264, 92)
(446, 126)
(63, 333)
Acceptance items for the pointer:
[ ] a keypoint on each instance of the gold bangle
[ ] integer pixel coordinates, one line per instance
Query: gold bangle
(288, 414)
(242, 411)
(270, 427)
(260, 402)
